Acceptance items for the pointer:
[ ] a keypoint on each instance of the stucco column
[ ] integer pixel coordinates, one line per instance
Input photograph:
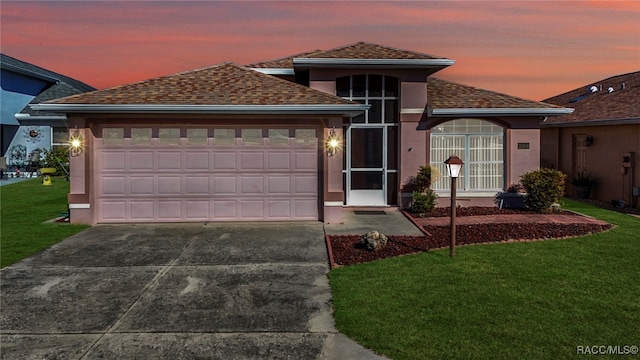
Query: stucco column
(333, 198)
(80, 209)
(413, 141)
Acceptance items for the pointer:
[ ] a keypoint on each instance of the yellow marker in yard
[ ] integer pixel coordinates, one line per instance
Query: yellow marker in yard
(46, 175)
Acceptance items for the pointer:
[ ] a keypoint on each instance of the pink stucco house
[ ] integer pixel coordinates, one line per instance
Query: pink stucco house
(249, 143)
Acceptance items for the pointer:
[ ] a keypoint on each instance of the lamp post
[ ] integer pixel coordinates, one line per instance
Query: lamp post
(454, 166)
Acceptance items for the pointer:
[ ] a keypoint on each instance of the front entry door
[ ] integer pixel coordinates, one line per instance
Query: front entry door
(366, 160)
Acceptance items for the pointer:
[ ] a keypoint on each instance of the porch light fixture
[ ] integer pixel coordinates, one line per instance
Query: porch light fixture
(454, 167)
(76, 143)
(333, 143)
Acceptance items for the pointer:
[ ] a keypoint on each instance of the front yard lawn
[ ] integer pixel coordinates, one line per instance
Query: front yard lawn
(536, 300)
(24, 209)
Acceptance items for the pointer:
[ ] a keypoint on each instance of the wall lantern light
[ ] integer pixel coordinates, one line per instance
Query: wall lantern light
(454, 167)
(333, 143)
(76, 143)
(588, 141)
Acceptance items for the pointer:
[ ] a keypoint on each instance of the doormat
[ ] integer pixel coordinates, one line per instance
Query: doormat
(369, 212)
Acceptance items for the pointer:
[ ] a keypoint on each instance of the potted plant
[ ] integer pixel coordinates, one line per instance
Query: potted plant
(583, 183)
(513, 198)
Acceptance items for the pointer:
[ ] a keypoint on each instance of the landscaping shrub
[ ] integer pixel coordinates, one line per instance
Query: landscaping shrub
(423, 202)
(544, 188)
(57, 157)
(427, 175)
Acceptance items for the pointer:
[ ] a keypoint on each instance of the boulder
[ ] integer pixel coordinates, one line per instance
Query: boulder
(373, 240)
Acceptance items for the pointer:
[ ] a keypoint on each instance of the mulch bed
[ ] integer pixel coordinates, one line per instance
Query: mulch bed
(346, 249)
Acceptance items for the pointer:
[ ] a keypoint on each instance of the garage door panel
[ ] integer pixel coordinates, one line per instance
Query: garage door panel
(197, 210)
(197, 160)
(113, 160)
(279, 161)
(305, 185)
(251, 160)
(170, 210)
(306, 161)
(169, 185)
(306, 209)
(279, 209)
(141, 185)
(169, 160)
(156, 182)
(279, 184)
(251, 209)
(251, 185)
(113, 185)
(141, 210)
(225, 209)
(113, 210)
(224, 185)
(197, 185)
(224, 160)
(141, 160)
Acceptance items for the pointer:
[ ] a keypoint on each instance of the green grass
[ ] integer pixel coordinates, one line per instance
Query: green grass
(24, 209)
(537, 300)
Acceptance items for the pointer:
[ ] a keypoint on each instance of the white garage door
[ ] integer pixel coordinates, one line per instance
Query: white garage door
(206, 174)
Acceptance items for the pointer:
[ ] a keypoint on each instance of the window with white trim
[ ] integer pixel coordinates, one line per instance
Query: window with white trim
(480, 144)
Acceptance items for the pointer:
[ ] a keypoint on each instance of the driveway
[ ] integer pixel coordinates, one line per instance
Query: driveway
(178, 291)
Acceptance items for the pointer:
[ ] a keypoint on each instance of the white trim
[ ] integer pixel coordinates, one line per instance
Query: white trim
(413, 111)
(333, 203)
(501, 111)
(79, 206)
(275, 71)
(364, 63)
(343, 109)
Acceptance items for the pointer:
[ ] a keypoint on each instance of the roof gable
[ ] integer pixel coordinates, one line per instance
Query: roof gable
(447, 96)
(364, 50)
(225, 84)
(615, 99)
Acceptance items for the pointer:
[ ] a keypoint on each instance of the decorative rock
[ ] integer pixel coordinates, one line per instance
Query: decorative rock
(373, 240)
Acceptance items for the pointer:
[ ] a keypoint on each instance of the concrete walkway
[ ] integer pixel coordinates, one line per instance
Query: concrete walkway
(175, 291)
(357, 222)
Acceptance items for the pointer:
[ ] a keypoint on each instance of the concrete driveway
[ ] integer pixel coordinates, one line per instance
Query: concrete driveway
(179, 291)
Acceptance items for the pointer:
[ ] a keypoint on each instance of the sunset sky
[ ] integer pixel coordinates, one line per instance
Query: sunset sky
(531, 49)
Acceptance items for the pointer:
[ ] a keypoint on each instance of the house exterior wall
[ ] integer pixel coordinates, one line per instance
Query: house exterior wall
(603, 158)
(523, 153)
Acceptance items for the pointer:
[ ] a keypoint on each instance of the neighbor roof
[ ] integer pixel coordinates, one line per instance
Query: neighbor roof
(446, 98)
(222, 88)
(615, 100)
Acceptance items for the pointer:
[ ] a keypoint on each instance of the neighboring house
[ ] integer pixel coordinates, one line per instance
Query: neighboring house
(230, 142)
(23, 129)
(601, 137)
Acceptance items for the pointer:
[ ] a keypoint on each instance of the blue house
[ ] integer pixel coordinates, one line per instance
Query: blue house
(23, 130)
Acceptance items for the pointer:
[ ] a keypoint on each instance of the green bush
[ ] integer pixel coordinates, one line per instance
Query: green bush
(427, 175)
(544, 188)
(423, 202)
(57, 157)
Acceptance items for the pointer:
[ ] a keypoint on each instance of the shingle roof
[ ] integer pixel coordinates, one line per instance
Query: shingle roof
(359, 50)
(442, 94)
(225, 84)
(620, 104)
(364, 50)
(283, 62)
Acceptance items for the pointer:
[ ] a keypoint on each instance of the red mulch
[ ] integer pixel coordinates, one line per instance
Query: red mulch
(346, 249)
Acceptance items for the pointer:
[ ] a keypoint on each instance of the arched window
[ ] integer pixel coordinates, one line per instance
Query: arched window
(480, 144)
